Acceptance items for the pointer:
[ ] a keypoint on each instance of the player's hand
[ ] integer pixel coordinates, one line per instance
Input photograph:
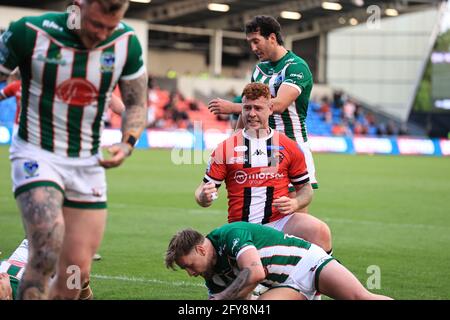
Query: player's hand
(118, 152)
(220, 106)
(285, 205)
(208, 193)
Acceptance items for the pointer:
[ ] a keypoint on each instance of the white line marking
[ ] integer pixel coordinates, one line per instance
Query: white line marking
(386, 224)
(134, 279)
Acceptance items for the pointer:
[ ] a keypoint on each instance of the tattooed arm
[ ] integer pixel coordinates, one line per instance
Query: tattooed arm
(134, 96)
(250, 274)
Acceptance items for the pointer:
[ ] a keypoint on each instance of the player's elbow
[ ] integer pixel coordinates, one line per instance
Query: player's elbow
(258, 275)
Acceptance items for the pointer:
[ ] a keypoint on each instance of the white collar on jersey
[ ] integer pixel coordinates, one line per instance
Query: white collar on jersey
(246, 136)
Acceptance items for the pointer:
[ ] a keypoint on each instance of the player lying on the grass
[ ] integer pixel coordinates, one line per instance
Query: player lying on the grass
(257, 165)
(12, 269)
(235, 258)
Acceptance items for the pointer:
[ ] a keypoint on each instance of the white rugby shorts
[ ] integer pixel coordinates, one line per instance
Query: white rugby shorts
(81, 180)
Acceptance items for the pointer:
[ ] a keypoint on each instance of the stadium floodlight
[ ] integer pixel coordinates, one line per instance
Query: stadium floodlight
(331, 6)
(292, 15)
(141, 1)
(353, 21)
(391, 12)
(218, 7)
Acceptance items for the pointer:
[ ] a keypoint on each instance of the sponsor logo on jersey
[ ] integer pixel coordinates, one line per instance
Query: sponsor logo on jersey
(235, 243)
(276, 158)
(272, 147)
(31, 167)
(235, 160)
(258, 152)
(57, 60)
(256, 178)
(107, 61)
(297, 75)
(240, 148)
(52, 25)
(77, 92)
(278, 81)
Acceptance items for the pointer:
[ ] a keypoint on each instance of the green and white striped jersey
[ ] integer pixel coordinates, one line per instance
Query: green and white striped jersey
(294, 71)
(15, 266)
(279, 252)
(65, 87)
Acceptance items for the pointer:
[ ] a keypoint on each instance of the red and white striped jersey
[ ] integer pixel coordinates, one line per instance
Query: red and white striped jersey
(256, 171)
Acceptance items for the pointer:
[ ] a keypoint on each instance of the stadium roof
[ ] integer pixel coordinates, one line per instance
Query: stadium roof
(195, 14)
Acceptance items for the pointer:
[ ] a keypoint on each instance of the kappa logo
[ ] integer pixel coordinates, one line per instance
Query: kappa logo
(31, 167)
(258, 152)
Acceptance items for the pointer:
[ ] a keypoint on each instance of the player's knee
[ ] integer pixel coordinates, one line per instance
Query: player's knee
(325, 236)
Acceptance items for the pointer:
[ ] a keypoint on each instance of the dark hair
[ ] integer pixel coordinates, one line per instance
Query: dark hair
(181, 244)
(255, 90)
(265, 25)
(111, 6)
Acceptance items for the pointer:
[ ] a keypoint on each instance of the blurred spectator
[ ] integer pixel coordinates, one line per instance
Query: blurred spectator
(325, 110)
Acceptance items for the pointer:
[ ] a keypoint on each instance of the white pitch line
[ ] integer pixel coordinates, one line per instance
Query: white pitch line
(134, 279)
(386, 224)
(146, 207)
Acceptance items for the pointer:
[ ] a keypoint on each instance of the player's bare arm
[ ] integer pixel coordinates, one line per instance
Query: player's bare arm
(221, 106)
(286, 95)
(134, 96)
(303, 197)
(251, 273)
(42, 214)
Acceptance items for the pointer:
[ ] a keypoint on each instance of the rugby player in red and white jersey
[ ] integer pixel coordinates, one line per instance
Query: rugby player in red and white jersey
(257, 164)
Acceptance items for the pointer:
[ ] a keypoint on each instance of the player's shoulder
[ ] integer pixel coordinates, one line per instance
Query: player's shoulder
(263, 66)
(123, 28)
(294, 62)
(51, 22)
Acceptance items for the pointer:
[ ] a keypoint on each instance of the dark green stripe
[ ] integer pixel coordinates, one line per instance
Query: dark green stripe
(14, 286)
(47, 97)
(13, 270)
(25, 71)
(280, 278)
(272, 122)
(315, 185)
(104, 86)
(76, 112)
(84, 205)
(288, 127)
(319, 269)
(36, 184)
(281, 260)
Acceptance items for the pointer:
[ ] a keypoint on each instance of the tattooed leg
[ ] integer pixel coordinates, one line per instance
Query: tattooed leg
(83, 235)
(44, 225)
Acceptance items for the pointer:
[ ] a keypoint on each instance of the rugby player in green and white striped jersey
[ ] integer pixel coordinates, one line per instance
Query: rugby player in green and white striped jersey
(234, 258)
(70, 64)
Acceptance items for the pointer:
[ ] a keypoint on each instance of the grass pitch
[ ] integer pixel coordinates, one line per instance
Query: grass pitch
(390, 212)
